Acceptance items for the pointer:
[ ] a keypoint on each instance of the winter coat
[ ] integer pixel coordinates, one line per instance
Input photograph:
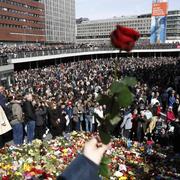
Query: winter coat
(75, 114)
(176, 138)
(3, 101)
(4, 123)
(57, 121)
(40, 120)
(172, 100)
(170, 116)
(29, 111)
(69, 112)
(17, 111)
(80, 169)
(54, 115)
(127, 121)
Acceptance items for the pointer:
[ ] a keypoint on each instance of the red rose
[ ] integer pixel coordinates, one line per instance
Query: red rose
(37, 171)
(124, 38)
(5, 178)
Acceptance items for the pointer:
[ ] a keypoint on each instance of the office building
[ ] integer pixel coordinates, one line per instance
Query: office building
(60, 20)
(22, 21)
(98, 31)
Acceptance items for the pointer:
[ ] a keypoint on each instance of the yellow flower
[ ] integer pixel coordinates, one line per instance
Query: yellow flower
(18, 173)
(53, 157)
(74, 133)
(123, 178)
(26, 167)
(65, 150)
(65, 154)
(7, 167)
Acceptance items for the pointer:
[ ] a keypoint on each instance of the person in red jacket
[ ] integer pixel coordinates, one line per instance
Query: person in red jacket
(158, 110)
(170, 115)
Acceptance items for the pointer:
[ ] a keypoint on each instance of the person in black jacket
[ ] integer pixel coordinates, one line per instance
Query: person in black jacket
(40, 112)
(86, 165)
(176, 137)
(30, 117)
(56, 119)
(2, 104)
(3, 99)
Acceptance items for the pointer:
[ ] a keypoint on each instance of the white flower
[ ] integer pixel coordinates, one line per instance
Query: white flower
(118, 174)
(29, 160)
(122, 167)
(108, 152)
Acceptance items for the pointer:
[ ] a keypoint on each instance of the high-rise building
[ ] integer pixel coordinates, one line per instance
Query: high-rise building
(22, 21)
(98, 31)
(60, 20)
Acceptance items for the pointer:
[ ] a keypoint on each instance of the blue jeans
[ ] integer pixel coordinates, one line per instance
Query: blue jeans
(88, 121)
(78, 125)
(30, 130)
(18, 133)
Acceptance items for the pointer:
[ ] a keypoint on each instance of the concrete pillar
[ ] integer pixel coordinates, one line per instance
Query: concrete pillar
(37, 64)
(9, 80)
(155, 54)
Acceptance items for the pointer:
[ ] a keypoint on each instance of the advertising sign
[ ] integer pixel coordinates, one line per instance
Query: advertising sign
(159, 22)
(160, 9)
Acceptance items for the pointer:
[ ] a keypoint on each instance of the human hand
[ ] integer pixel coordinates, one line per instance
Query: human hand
(94, 150)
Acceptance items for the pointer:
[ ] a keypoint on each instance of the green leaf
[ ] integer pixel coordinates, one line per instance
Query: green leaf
(104, 170)
(104, 135)
(129, 81)
(125, 98)
(104, 99)
(105, 160)
(115, 120)
(114, 109)
(131, 173)
(115, 87)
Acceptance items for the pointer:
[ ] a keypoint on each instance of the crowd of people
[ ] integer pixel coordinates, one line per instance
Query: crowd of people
(31, 50)
(62, 98)
(147, 45)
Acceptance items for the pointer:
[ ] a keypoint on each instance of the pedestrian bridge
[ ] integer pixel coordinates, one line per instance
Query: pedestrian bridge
(43, 56)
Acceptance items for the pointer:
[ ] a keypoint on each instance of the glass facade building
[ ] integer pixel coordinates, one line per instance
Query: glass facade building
(60, 20)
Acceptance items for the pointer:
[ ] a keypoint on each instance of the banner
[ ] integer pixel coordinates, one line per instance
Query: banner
(159, 22)
(160, 9)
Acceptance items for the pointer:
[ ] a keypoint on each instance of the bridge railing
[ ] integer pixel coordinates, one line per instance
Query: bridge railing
(53, 51)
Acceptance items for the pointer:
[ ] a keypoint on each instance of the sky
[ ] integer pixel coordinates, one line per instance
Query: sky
(101, 9)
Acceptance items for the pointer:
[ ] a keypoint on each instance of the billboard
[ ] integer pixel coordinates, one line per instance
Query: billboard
(160, 9)
(159, 21)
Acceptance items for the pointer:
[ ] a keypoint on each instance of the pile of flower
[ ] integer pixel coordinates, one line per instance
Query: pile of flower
(46, 160)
